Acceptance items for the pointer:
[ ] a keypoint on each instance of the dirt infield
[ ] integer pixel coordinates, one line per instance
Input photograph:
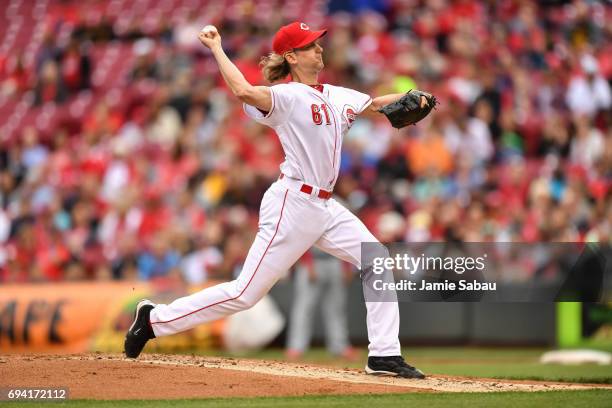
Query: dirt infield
(110, 376)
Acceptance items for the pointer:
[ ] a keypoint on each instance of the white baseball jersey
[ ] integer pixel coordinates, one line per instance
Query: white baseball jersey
(310, 125)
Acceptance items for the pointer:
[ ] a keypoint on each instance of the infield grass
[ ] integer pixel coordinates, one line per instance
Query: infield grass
(574, 399)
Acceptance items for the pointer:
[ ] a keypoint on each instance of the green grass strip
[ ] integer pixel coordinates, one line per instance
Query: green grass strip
(589, 373)
(575, 399)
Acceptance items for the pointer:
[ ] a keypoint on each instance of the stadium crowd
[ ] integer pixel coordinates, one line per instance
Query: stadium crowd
(164, 182)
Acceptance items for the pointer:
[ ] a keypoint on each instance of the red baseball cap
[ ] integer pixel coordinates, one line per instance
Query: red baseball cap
(294, 35)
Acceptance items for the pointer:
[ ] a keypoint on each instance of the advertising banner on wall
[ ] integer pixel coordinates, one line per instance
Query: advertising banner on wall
(94, 316)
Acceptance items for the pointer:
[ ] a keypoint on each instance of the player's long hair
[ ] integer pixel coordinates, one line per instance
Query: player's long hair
(274, 67)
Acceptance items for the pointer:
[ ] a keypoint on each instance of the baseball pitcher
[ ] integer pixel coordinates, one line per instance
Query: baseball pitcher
(297, 211)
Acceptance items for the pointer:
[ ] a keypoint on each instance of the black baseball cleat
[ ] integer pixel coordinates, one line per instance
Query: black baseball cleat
(140, 331)
(393, 366)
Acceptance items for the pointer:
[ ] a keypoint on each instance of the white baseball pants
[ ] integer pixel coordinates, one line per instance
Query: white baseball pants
(290, 222)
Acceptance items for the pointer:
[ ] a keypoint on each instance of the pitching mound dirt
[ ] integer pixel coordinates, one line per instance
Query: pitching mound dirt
(110, 376)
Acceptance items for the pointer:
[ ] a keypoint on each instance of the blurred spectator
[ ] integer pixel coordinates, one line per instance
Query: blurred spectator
(33, 154)
(159, 261)
(555, 137)
(15, 78)
(145, 65)
(429, 153)
(50, 86)
(468, 137)
(117, 174)
(48, 52)
(511, 142)
(587, 145)
(186, 34)
(588, 92)
(76, 67)
(164, 124)
(201, 263)
(118, 235)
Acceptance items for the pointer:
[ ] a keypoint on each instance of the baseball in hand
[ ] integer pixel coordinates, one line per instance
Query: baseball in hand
(209, 29)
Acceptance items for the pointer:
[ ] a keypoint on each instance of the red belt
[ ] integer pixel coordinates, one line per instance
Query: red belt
(326, 195)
